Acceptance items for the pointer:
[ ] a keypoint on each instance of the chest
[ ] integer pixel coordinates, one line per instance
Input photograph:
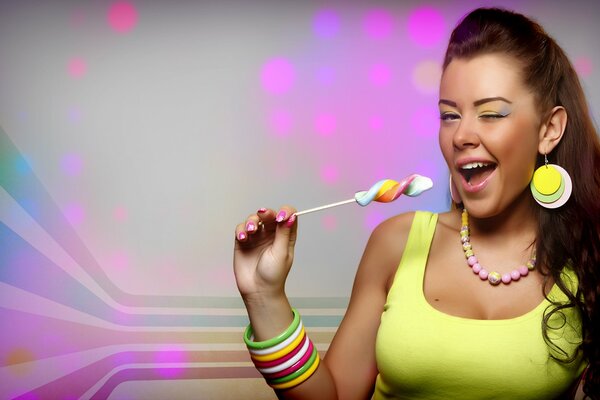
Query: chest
(450, 285)
(424, 357)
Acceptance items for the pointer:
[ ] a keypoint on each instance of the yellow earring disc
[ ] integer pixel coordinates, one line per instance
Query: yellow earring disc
(546, 179)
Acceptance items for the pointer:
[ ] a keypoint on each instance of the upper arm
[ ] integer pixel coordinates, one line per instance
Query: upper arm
(351, 355)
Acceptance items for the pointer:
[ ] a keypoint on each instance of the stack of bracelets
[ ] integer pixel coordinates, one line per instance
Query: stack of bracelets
(286, 360)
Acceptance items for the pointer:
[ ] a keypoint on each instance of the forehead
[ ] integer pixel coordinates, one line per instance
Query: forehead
(482, 76)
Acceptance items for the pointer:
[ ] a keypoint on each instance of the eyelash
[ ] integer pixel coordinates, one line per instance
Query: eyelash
(492, 116)
(449, 116)
(453, 117)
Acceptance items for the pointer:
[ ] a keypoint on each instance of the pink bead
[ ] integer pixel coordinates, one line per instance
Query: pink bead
(506, 278)
(483, 274)
(476, 268)
(515, 275)
(472, 260)
(523, 270)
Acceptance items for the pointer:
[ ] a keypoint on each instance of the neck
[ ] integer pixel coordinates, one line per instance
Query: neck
(518, 221)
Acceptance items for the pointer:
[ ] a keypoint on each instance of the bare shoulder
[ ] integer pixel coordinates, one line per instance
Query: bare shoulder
(384, 249)
(393, 229)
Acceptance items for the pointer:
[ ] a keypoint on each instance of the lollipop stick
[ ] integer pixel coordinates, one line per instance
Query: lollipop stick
(339, 203)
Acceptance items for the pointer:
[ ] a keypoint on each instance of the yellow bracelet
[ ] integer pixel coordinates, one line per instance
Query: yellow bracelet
(278, 354)
(300, 379)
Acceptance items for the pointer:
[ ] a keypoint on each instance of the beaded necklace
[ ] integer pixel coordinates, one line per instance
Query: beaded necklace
(494, 278)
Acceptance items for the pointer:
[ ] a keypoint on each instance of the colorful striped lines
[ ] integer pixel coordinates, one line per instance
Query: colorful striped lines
(69, 332)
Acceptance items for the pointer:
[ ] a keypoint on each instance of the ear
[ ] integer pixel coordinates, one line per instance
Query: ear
(552, 131)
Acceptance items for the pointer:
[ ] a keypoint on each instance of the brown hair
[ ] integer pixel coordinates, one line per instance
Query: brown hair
(569, 235)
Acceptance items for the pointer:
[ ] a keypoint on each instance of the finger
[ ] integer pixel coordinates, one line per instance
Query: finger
(252, 224)
(240, 233)
(285, 235)
(266, 215)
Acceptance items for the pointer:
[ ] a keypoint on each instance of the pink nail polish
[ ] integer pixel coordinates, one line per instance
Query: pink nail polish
(281, 216)
(291, 221)
(262, 210)
(241, 235)
(250, 227)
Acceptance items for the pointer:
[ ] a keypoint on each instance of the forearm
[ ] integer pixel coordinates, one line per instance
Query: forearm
(269, 315)
(319, 386)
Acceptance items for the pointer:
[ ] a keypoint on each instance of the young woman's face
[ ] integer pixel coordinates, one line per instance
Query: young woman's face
(489, 131)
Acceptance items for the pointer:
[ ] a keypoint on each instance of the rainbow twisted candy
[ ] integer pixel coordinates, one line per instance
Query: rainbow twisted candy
(387, 190)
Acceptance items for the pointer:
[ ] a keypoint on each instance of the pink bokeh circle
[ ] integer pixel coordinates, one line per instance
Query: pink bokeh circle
(122, 16)
(583, 66)
(426, 27)
(277, 76)
(325, 124)
(77, 67)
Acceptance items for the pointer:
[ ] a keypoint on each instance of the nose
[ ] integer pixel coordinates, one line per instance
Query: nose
(465, 135)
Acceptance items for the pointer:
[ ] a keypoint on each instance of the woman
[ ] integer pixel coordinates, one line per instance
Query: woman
(513, 119)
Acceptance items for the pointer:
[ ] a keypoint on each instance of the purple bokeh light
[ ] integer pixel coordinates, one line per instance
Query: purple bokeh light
(71, 164)
(74, 114)
(326, 23)
(325, 75)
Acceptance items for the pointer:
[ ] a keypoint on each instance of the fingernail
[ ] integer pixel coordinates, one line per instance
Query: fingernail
(281, 216)
(250, 227)
(291, 220)
(242, 235)
(262, 210)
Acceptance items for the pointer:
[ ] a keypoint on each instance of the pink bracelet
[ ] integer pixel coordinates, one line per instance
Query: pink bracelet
(294, 367)
(268, 364)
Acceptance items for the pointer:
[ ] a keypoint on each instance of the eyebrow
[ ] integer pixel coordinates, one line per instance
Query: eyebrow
(477, 102)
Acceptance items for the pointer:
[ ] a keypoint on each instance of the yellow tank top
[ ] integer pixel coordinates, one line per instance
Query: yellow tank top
(423, 353)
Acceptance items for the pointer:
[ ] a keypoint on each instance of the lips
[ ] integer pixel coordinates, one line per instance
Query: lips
(476, 174)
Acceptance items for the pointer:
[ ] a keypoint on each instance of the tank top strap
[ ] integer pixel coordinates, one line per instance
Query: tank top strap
(409, 275)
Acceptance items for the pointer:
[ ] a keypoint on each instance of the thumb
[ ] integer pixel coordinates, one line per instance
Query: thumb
(285, 235)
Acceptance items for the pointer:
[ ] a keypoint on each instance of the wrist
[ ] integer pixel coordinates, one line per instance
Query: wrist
(269, 315)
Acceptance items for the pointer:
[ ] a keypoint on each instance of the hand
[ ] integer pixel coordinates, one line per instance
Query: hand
(263, 253)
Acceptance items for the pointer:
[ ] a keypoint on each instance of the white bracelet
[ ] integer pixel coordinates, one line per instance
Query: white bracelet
(289, 362)
(277, 347)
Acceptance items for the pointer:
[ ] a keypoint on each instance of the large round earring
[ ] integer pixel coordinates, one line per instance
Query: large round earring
(551, 185)
(454, 192)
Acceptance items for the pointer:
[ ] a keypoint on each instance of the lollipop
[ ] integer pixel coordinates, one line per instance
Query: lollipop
(384, 191)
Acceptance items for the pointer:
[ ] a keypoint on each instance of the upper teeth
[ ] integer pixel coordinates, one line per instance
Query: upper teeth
(475, 165)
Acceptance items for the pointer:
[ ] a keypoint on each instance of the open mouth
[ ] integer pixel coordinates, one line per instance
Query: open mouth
(476, 173)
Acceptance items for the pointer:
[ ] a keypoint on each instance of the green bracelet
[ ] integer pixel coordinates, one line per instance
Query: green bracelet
(274, 341)
(300, 371)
